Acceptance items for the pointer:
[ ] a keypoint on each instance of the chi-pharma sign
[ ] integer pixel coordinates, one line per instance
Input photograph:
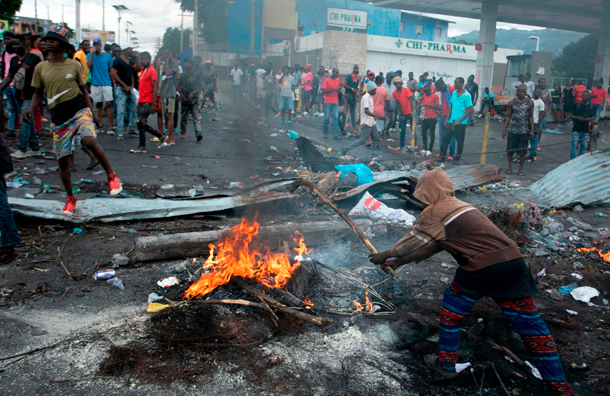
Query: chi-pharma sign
(346, 20)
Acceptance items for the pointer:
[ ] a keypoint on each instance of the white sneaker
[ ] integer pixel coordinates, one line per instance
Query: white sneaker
(32, 153)
(19, 154)
(111, 132)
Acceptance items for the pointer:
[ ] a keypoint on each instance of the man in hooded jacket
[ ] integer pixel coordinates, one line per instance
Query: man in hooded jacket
(490, 265)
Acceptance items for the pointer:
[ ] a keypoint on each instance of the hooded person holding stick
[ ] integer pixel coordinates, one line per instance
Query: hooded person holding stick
(490, 265)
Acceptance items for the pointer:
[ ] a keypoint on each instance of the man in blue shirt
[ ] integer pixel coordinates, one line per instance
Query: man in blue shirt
(461, 108)
(488, 100)
(100, 64)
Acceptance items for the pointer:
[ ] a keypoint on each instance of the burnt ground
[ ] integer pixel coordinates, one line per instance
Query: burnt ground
(83, 337)
(99, 340)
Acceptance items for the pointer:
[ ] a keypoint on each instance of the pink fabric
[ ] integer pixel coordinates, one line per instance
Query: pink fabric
(379, 99)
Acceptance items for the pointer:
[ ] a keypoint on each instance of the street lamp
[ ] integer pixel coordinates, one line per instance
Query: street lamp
(120, 8)
(537, 41)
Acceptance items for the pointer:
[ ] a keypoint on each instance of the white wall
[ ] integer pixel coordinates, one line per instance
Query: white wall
(435, 66)
(389, 54)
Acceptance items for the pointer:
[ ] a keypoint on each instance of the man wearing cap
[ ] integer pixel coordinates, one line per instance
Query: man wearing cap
(81, 56)
(71, 111)
(351, 94)
(367, 121)
(100, 63)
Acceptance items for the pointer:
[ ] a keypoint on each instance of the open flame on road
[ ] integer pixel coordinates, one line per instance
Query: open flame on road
(236, 256)
(605, 256)
(368, 306)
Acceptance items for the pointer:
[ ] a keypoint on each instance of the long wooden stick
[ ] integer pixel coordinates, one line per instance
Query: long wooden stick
(323, 197)
(299, 315)
(493, 366)
(236, 302)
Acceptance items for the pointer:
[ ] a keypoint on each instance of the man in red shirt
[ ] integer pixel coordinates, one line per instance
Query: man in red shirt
(577, 91)
(598, 98)
(382, 104)
(330, 89)
(431, 104)
(404, 103)
(149, 82)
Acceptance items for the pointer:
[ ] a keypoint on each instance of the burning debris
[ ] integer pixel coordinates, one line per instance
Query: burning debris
(236, 256)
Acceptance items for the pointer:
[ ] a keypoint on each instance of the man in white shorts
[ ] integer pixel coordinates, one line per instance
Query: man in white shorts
(100, 62)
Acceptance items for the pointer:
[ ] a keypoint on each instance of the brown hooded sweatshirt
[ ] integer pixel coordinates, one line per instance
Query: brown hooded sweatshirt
(454, 226)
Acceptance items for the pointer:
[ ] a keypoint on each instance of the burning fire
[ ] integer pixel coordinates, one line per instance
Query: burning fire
(307, 302)
(605, 256)
(235, 257)
(368, 306)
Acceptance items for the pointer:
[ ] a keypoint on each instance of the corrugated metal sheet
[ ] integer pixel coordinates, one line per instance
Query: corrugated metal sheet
(584, 180)
(121, 209)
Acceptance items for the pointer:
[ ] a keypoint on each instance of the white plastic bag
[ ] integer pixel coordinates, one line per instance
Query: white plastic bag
(374, 209)
(135, 94)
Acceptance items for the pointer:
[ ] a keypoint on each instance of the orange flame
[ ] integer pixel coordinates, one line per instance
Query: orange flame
(307, 302)
(367, 302)
(605, 256)
(358, 306)
(235, 257)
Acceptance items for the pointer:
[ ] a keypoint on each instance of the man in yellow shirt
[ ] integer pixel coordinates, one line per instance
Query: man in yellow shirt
(81, 56)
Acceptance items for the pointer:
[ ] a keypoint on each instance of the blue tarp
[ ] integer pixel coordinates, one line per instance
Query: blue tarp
(364, 174)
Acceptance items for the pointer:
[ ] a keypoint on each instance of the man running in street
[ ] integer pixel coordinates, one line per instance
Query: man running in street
(518, 128)
(149, 85)
(490, 265)
(71, 110)
(23, 66)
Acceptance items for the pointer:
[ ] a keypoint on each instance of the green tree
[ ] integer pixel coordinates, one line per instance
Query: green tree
(8, 8)
(213, 17)
(171, 39)
(577, 59)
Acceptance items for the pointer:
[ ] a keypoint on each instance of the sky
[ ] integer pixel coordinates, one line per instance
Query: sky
(150, 18)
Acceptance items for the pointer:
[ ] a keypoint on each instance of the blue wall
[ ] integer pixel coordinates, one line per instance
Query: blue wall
(429, 24)
(385, 21)
(238, 26)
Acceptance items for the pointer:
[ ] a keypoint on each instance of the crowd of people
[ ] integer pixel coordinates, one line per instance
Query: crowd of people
(391, 101)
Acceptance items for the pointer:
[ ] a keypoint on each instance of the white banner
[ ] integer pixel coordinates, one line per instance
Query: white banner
(346, 20)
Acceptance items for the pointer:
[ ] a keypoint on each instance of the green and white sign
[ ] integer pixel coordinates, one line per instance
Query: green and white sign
(346, 20)
(431, 46)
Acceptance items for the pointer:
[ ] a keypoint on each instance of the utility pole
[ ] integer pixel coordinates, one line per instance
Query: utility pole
(36, 10)
(182, 29)
(195, 28)
(252, 9)
(62, 12)
(78, 21)
(103, 15)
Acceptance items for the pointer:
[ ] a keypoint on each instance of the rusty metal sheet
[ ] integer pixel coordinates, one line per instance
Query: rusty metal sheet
(467, 176)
